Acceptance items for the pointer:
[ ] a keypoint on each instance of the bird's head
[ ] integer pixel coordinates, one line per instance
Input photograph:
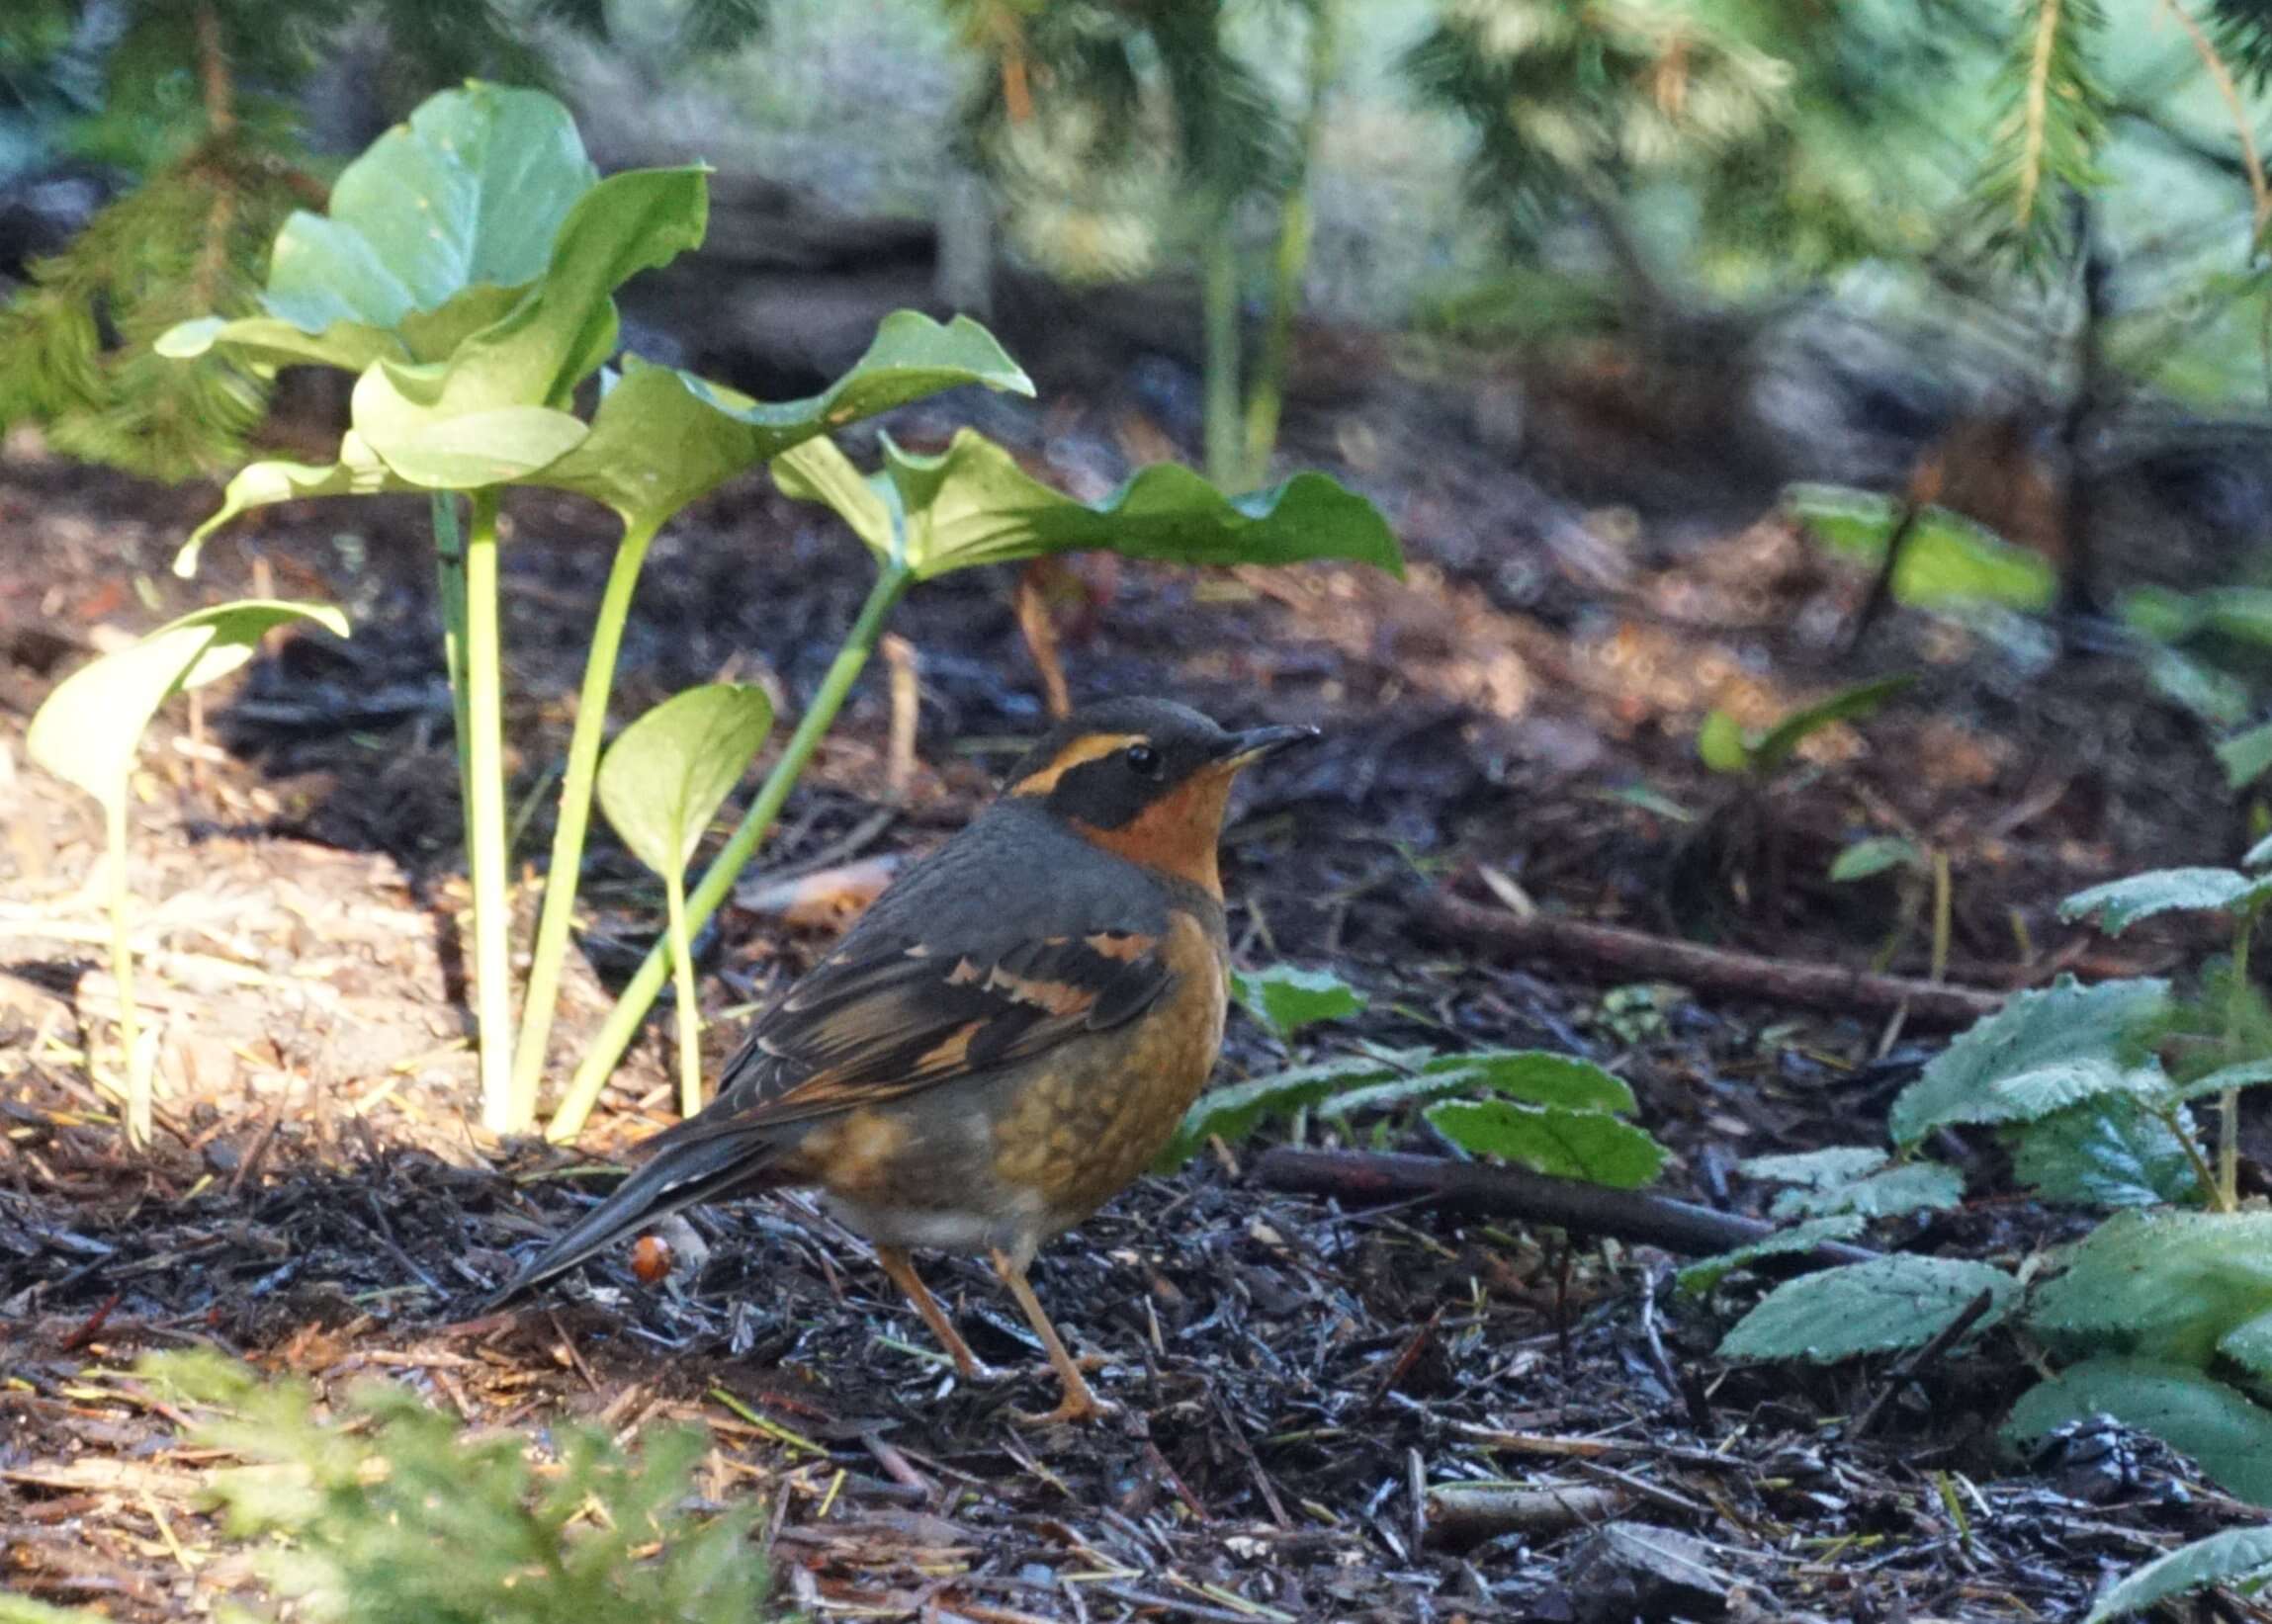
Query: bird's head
(1145, 779)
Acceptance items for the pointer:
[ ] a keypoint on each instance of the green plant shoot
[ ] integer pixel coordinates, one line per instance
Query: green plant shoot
(661, 784)
(925, 516)
(465, 273)
(88, 734)
(1726, 746)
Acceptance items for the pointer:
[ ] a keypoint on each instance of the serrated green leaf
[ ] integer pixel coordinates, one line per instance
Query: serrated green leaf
(1920, 1186)
(1867, 859)
(2245, 1075)
(1234, 1111)
(2042, 1052)
(1550, 1139)
(2239, 1560)
(89, 728)
(1285, 998)
(2109, 1152)
(2119, 903)
(1538, 1077)
(1884, 1305)
(666, 776)
(1700, 1277)
(1838, 1164)
(1720, 744)
(972, 504)
(2164, 1285)
(1947, 559)
(2248, 1344)
(1864, 698)
(2195, 1415)
(2246, 756)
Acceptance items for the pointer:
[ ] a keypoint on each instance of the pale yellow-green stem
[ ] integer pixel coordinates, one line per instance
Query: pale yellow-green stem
(541, 1001)
(689, 1018)
(484, 787)
(138, 1113)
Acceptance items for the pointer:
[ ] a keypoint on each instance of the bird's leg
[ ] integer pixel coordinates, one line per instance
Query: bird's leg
(1078, 1404)
(902, 1269)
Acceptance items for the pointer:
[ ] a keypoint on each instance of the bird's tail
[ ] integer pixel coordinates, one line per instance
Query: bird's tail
(696, 1168)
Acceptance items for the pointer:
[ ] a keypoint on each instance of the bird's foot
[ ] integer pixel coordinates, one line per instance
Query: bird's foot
(1079, 1406)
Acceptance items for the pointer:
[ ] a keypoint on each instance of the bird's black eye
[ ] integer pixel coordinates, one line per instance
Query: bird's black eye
(1142, 758)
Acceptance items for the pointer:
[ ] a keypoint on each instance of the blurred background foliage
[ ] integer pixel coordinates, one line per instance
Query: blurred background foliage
(1512, 170)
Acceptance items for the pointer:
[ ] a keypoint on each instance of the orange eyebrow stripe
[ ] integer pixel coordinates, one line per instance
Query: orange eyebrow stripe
(1079, 752)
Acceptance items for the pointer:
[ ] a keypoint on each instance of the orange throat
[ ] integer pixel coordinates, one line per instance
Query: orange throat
(1177, 834)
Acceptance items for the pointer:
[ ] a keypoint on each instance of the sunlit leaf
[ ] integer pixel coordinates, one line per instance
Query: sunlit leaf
(1881, 1307)
(2042, 1052)
(972, 504)
(1865, 859)
(666, 776)
(1550, 1139)
(262, 485)
(2194, 1413)
(1287, 997)
(2119, 903)
(88, 729)
(2248, 1344)
(1947, 559)
(1781, 741)
(1720, 744)
(2246, 756)
(1236, 1109)
(2239, 1560)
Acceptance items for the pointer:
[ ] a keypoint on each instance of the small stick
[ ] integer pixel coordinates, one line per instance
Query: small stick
(1615, 953)
(1379, 1177)
(1929, 1355)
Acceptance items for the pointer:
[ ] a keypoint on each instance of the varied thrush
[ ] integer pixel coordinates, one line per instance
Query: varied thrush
(1008, 1036)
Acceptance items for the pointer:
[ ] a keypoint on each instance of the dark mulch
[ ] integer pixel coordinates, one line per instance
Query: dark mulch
(1307, 1391)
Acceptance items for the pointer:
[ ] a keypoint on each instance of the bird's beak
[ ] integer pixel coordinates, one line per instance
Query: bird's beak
(1245, 749)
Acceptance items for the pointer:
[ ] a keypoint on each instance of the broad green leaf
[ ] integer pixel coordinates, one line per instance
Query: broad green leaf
(1781, 742)
(1881, 1307)
(498, 447)
(2215, 698)
(2119, 903)
(2109, 1152)
(430, 233)
(22, 1609)
(2248, 1344)
(667, 774)
(2164, 1285)
(560, 331)
(2259, 855)
(1538, 1077)
(1285, 998)
(262, 485)
(1920, 1186)
(661, 438)
(2245, 1075)
(1703, 1275)
(1720, 744)
(473, 189)
(1839, 1165)
(2246, 756)
(2042, 1052)
(972, 504)
(1551, 1138)
(1865, 859)
(1234, 1111)
(2240, 1559)
(2195, 1415)
(90, 727)
(1947, 559)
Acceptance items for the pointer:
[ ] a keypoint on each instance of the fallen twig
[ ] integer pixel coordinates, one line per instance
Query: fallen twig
(1909, 1369)
(1373, 1177)
(1614, 950)
(1461, 1514)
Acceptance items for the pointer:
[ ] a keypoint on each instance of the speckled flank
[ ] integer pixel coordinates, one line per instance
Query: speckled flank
(1077, 1135)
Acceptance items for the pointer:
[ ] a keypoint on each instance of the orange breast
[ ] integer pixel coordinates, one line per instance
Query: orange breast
(1079, 1133)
